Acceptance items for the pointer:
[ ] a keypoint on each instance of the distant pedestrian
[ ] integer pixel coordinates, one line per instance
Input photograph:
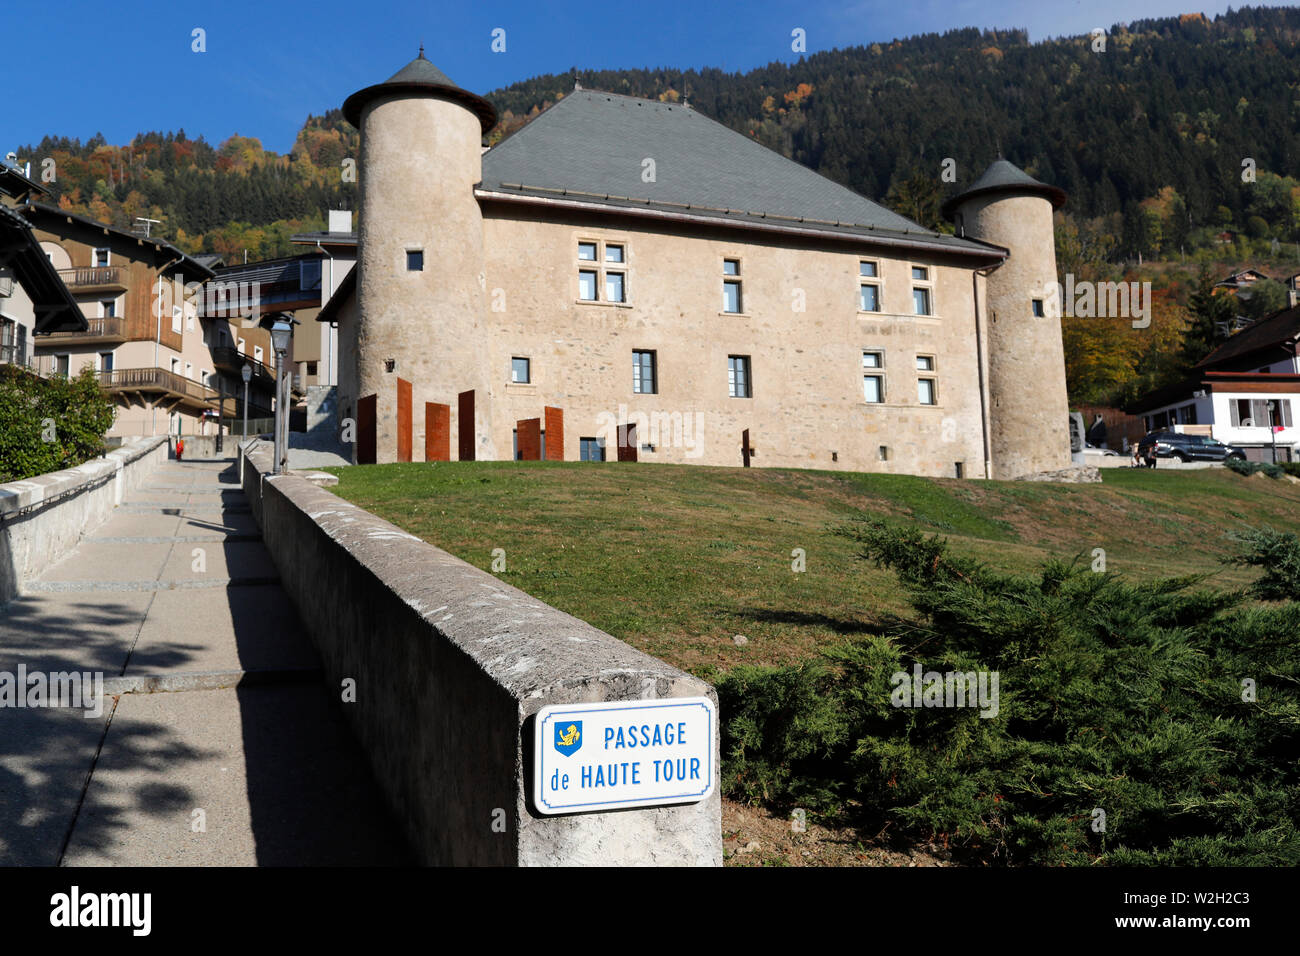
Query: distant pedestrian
(1137, 456)
(180, 448)
(1151, 455)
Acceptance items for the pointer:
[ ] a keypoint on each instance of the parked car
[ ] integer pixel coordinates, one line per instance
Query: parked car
(1107, 452)
(1168, 444)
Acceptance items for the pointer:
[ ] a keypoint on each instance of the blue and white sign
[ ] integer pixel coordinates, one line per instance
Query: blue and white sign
(625, 753)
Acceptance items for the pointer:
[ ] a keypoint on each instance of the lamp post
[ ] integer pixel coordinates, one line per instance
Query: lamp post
(281, 325)
(246, 373)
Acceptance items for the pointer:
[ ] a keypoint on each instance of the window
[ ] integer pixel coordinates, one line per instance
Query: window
(884, 453)
(176, 366)
(921, 296)
(869, 298)
(243, 349)
(106, 361)
(959, 470)
(520, 370)
(591, 449)
(61, 364)
(101, 257)
(731, 295)
(223, 337)
(926, 387)
(921, 301)
(873, 382)
(602, 284)
(189, 369)
(311, 368)
(739, 384)
(176, 318)
(1255, 411)
(108, 308)
(868, 269)
(309, 274)
(643, 373)
(414, 261)
(257, 352)
(1038, 308)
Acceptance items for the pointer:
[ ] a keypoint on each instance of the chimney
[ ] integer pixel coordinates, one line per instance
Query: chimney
(340, 220)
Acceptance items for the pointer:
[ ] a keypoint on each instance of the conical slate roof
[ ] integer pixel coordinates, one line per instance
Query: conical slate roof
(1005, 177)
(420, 77)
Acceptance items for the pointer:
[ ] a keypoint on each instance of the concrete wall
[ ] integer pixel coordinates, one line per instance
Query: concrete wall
(450, 664)
(43, 518)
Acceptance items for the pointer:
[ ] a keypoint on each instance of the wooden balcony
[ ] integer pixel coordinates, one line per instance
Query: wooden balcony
(95, 278)
(232, 361)
(159, 385)
(110, 329)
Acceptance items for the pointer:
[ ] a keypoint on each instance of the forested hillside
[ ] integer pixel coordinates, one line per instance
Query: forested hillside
(1147, 136)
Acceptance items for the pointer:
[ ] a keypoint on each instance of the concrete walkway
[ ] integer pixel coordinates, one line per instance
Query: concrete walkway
(222, 746)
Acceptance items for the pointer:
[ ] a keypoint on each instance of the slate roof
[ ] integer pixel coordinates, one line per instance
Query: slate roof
(1005, 177)
(590, 147)
(420, 77)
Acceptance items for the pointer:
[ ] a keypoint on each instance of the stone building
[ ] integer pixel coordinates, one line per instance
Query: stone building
(628, 278)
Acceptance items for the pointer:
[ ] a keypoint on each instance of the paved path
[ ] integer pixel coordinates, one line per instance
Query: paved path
(222, 746)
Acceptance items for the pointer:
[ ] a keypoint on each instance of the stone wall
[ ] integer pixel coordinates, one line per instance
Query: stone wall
(450, 664)
(43, 518)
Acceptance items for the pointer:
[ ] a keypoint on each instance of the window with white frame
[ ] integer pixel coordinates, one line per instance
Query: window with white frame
(922, 291)
(739, 381)
(873, 377)
(602, 271)
(927, 386)
(102, 257)
(732, 294)
(521, 370)
(869, 286)
(644, 372)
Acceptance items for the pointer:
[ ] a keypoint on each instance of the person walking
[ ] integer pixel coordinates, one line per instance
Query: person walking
(180, 448)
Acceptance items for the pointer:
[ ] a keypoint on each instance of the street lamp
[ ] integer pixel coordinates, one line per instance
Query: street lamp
(246, 373)
(281, 325)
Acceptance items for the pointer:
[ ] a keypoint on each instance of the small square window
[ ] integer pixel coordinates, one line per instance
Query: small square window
(311, 368)
(109, 307)
(587, 251)
(613, 253)
(415, 260)
(520, 371)
(587, 285)
(1038, 308)
(869, 300)
(873, 360)
(867, 269)
(921, 301)
(920, 273)
(925, 363)
(884, 453)
(731, 297)
(614, 287)
(101, 257)
(731, 267)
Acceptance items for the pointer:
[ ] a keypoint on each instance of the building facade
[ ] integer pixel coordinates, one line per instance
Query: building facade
(627, 278)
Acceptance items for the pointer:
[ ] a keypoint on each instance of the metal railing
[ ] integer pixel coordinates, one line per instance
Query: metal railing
(232, 358)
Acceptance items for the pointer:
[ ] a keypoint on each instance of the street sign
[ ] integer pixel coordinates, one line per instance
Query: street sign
(625, 753)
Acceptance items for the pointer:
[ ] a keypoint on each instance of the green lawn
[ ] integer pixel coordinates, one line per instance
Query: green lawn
(676, 560)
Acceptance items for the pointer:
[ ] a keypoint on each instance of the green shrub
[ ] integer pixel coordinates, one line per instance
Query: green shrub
(49, 424)
(1113, 696)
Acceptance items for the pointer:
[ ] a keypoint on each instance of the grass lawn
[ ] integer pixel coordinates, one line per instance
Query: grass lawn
(677, 560)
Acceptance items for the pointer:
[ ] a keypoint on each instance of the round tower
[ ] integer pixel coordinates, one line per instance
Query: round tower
(421, 302)
(1028, 409)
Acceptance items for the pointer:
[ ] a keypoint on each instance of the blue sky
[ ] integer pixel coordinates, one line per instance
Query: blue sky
(77, 68)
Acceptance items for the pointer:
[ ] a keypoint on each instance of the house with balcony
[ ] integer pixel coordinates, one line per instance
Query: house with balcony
(1244, 393)
(316, 344)
(33, 299)
(146, 345)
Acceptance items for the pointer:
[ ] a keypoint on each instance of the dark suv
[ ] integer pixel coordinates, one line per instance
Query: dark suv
(1169, 444)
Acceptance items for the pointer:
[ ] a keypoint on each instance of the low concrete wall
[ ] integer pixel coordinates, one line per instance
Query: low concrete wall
(204, 447)
(450, 664)
(43, 518)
